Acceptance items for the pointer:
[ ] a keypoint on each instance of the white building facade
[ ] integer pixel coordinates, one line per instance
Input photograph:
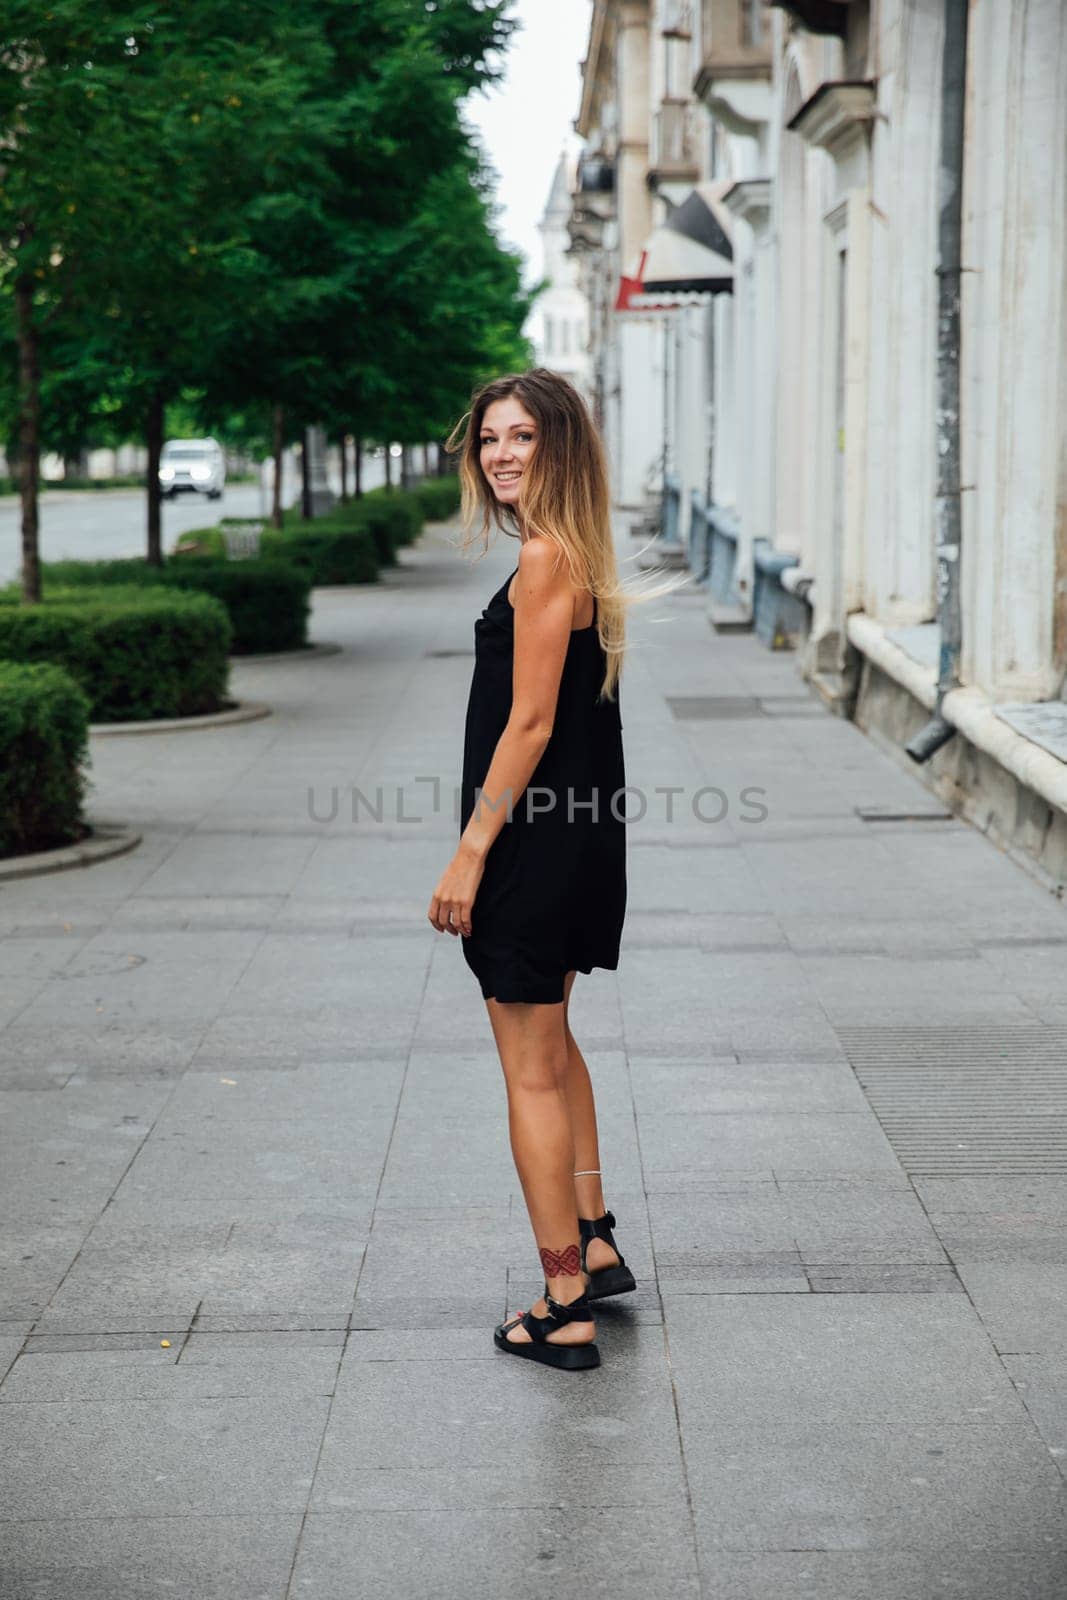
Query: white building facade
(611, 217)
(801, 409)
(559, 324)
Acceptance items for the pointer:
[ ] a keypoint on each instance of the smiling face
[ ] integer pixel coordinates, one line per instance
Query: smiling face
(508, 441)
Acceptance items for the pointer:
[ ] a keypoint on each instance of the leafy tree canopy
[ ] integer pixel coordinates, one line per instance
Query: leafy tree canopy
(254, 205)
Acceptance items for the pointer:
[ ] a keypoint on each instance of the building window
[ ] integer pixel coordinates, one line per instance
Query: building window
(548, 336)
(566, 338)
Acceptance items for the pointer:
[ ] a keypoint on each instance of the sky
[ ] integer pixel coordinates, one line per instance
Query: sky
(526, 121)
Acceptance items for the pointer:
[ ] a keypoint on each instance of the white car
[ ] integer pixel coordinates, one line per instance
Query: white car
(197, 465)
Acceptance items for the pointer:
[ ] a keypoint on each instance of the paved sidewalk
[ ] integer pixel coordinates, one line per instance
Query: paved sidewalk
(251, 1107)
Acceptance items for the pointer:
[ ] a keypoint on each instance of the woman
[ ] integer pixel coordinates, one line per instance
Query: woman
(537, 886)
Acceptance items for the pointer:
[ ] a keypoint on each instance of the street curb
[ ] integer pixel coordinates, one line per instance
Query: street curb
(105, 841)
(243, 711)
(308, 652)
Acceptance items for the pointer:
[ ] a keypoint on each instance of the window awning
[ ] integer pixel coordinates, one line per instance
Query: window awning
(687, 259)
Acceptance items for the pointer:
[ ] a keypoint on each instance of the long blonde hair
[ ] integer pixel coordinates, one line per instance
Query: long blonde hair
(564, 498)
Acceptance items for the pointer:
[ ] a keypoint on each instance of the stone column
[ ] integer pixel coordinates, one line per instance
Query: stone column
(754, 308)
(632, 72)
(639, 335)
(901, 451)
(796, 199)
(1014, 339)
(837, 119)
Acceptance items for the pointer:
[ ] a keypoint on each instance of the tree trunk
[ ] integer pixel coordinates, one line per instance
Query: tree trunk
(305, 476)
(359, 468)
(405, 466)
(343, 443)
(278, 450)
(75, 464)
(29, 432)
(154, 440)
(388, 469)
(444, 460)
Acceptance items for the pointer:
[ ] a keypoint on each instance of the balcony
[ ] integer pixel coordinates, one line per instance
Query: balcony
(818, 16)
(593, 202)
(736, 37)
(673, 157)
(734, 80)
(596, 174)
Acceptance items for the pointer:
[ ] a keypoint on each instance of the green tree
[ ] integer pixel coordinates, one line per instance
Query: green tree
(271, 208)
(133, 136)
(329, 336)
(67, 140)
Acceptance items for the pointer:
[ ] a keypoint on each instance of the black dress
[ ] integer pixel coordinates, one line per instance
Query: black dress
(552, 898)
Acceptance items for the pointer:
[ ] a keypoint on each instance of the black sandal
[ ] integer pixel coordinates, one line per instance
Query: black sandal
(609, 1280)
(568, 1357)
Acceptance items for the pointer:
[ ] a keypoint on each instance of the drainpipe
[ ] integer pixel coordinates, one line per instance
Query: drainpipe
(939, 730)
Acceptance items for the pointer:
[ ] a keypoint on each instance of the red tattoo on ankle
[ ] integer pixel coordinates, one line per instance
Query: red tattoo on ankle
(562, 1263)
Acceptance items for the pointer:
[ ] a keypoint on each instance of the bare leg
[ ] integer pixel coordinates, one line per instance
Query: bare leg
(533, 1053)
(588, 1190)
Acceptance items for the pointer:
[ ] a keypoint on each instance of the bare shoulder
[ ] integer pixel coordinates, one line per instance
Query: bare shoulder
(541, 566)
(541, 575)
(545, 579)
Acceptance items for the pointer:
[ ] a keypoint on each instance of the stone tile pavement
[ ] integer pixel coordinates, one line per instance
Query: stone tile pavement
(259, 1213)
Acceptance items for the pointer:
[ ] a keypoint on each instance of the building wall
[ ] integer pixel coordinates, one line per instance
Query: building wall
(900, 454)
(626, 358)
(1014, 400)
(857, 345)
(798, 182)
(806, 401)
(560, 321)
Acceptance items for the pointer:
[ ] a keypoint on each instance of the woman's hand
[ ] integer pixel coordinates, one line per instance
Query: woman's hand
(453, 899)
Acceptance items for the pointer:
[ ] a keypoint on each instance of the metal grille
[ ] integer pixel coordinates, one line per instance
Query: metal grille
(967, 1101)
(242, 541)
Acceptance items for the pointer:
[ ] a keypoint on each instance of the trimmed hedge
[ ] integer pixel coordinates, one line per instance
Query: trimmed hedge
(393, 517)
(347, 544)
(439, 498)
(123, 573)
(327, 554)
(129, 480)
(44, 738)
(323, 551)
(268, 601)
(202, 543)
(138, 653)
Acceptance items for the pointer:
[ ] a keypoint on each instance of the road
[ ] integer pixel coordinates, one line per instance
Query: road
(83, 525)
